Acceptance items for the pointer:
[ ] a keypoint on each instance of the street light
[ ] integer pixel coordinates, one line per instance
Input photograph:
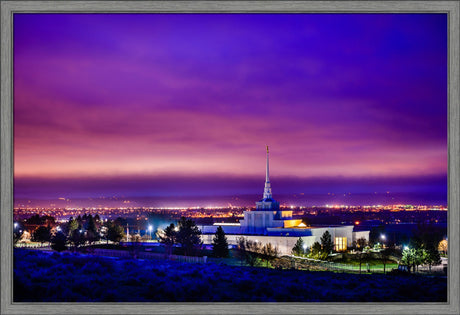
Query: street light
(150, 231)
(406, 247)
(304, 248)
(15, 224)
(382, 236)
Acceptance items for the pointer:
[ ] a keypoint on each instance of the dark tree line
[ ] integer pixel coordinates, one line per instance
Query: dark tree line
(254, 253)
(186, 234)
(78, 231)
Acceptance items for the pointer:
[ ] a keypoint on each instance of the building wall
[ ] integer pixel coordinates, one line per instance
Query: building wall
(284, 244)
(360, 234)
(345, 231)
(289, 237)
(228, 229)
(317, 232)
(256, 222)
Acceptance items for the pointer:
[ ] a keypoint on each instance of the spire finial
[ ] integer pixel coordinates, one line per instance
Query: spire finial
(267, 189)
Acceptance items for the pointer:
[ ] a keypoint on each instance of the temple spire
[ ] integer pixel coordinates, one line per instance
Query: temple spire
(267, 189)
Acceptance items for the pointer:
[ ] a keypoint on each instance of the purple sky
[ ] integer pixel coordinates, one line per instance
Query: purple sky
(184, 104)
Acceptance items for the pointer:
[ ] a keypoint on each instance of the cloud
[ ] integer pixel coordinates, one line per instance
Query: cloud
(199, 95)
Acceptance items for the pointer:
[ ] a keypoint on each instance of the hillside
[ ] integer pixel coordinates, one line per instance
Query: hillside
(54, 277)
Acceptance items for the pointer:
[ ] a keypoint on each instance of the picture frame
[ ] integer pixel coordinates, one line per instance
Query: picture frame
(9, 8)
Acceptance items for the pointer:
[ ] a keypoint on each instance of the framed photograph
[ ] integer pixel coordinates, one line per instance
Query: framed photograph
(213, 157)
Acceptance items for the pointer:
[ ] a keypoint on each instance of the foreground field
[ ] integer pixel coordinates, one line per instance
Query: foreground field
(53, 277)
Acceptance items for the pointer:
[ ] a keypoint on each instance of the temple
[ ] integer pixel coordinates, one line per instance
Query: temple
(269, 224)
(267, 214)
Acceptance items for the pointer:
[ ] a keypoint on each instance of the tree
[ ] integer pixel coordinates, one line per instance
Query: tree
(241, 249)
(326, 243)
(17, 236)
(361, 243)
(250, 251)
(316, 250)
(375, 232)
(421, 257)
(48, 220)
(415, 242)
(416, 254)
(377, 246)
(188, 236)
(59, 241)
(442, 246)
(168, 237)
(253, 252)
(409, 258)
(269, 253)
(121, 221)
(72, 225)
(42, 234)
(384, 255)
(428, 232)
(34, 220)
(115, 232)
(432, 258)
(361, 256)
(77, 238)
(297, 250)
(219, 243)
(17, 233)
(92, 234)
(97, 220)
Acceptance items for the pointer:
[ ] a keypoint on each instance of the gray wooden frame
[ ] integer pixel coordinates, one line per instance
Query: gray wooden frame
(8, 8)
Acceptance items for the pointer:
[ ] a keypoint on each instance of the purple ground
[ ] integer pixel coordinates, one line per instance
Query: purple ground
(54, 277)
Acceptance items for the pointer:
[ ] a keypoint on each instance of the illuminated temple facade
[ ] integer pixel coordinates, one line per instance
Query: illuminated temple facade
(269, 224)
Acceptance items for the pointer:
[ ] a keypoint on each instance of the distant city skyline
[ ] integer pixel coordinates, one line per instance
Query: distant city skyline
(179, 105)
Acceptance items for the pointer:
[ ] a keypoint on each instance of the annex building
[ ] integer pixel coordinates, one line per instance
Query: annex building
(269, 224)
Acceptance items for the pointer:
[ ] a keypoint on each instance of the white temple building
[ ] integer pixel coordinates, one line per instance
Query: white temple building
(269, 224)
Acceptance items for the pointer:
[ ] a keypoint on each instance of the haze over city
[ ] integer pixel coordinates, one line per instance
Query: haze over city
(173, 105)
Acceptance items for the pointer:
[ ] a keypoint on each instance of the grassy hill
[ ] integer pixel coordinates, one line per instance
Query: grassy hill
(54, 277)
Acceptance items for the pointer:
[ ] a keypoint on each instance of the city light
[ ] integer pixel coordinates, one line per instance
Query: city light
(150, 230)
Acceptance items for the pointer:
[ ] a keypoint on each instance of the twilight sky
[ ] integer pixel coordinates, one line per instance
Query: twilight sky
(184, 104)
